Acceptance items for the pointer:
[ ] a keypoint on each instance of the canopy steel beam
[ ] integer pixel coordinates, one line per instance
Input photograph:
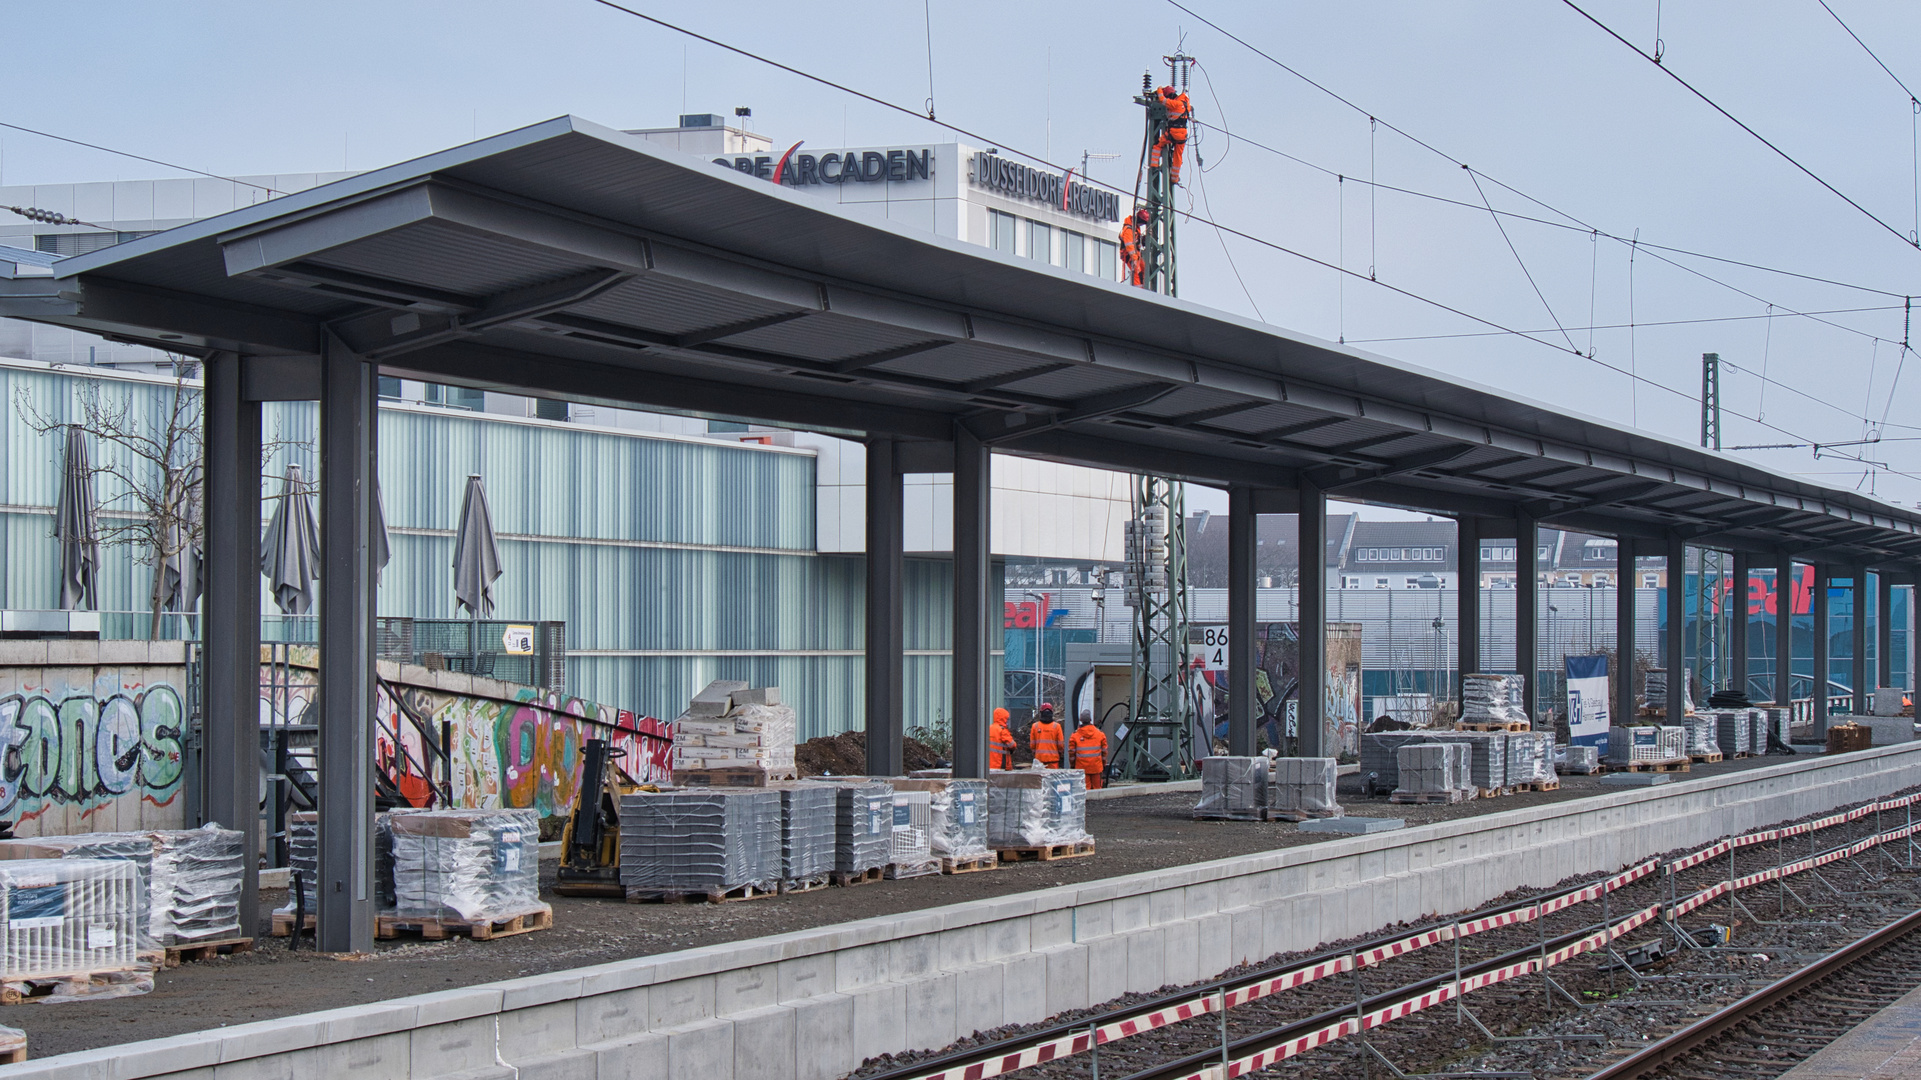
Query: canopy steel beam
(976, 619)
(886, 631)
(1242, 551)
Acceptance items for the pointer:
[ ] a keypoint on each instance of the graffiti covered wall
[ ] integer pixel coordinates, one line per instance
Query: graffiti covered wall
(512, 745)
(91, 736)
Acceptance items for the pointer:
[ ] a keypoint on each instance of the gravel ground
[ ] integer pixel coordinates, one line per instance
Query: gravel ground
(1140, 833)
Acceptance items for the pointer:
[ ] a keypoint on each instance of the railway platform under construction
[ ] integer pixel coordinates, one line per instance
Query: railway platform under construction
(816, 1003)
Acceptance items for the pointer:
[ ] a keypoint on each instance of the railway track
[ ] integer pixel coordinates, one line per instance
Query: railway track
(1786, 1022)
(1296, 1012)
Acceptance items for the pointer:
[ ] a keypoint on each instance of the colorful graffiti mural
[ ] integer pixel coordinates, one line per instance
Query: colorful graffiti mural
(511, 746)
(88, 748)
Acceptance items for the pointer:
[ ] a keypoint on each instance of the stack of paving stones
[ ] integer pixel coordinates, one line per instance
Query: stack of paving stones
(1487, 756)
(1378, 755)
(1492, 699)
(1703, 734)
(806, 833)
(863, 826)
(1733, 732)
(957, 815)
(692, 841)
(303, 857)
(1303, 787)
(1233, 789)
(1530, 758)
(1777, 721)
(467, 865)
(1031, 808)
(1427, 770)
(909, 849)
(1640, 742)
(1582, 760)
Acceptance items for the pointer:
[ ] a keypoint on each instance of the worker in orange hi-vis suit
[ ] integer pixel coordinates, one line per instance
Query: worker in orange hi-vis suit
(1000, 742)
(1173, 141)
(1131, 246)
(1088, 751)
(1046, 739)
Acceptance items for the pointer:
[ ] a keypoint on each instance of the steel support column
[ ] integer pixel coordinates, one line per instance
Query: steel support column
(1783, 630)
(1527, 608)
(1312, 522)
(1738, 626)
(230, 627)
(975, 600)
(1467, 616)
(1821, 663)
(348, 435)
(1884, 629)
(1858, 641)
(1626, 650)
(1676, 628)
(1241, 532)
(886, 633)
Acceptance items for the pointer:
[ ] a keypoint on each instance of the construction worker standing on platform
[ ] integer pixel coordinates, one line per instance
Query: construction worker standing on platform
(1131, 246)
(1088, 747)
(1173, 140)
(1046, 739)
(1000, 742)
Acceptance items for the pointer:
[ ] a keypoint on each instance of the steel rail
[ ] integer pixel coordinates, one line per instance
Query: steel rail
(1694, 1035)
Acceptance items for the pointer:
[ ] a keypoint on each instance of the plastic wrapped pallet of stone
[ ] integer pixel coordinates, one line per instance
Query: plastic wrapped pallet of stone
(700, 842)
(1582, 760)
(197, 874)
(863, 826)
(1654, 693)
(806, 834)
(1036, 808)
(1427, 773)
(1378, 761)
(303, 857)
(909, 850)
(1732, 731)
(1703, 734)
(1300, 788)
(131, 847)
(1778, 720)
(1233, 789)
(68, 917)
(957, 816)
(734, 735)
(1487, 758)
(1492, 699)
(1530, 758)
(1637, 743)
(469, 866)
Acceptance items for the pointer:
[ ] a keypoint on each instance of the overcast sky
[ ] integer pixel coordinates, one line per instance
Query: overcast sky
(1528, 93)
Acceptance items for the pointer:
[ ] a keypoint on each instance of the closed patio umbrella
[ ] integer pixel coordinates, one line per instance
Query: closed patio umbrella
(476, 556)
(75, 528)
(290, 552)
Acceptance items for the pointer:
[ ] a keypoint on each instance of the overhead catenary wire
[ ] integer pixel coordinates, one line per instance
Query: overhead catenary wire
(140, 157)
(1342, 270)
(1736, 121)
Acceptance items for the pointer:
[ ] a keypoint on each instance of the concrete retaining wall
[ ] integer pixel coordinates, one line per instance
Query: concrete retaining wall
(811, 1005)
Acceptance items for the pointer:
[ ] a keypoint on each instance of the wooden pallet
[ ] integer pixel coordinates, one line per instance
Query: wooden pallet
(1425, 798)
(1708, 759)
(1493, 792)
(1297, 816)
(283, 924)
(895, 872)
(175, 955)
(701, 896)
(1231, 815)
(1047, 852)
(973, 865)
(1740, 754)
(14, 1055)
(1672, 765)
(16, 992)
(1493, 725)
(390, 926)
(801, 885)
(1539, 785)
(850, 878)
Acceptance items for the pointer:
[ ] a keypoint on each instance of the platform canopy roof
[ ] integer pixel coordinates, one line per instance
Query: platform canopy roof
(569, 260)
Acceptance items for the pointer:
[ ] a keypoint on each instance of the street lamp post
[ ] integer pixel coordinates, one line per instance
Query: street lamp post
(1040, 629)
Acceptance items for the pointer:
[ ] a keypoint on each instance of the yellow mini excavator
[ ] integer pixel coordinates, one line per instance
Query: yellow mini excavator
(590, 844)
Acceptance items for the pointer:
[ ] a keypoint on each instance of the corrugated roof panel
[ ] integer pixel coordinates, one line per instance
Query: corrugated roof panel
(666, 306)
(450, 259)
(964, 362)
(1071, 384)
(826, 336)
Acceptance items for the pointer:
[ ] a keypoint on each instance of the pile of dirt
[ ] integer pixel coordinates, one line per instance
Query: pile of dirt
(846, 755)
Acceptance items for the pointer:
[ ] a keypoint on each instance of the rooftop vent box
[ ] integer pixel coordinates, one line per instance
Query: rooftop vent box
(701, 120)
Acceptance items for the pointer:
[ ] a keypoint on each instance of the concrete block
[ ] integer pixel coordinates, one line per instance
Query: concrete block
(569, 1065)
(1201, 899)
(1067, 986)
(745, 989)
(804, 977)
(913, 958)
(764, 1044)
(880, 1019)
(365, 1021)
(539, 1031)
(611, 1017)
(1092, 920)
(1636, 779)
(1147, 959)
(930, 1012)
(445, 1048)
(701, 1050)
(1024, 999)
(759, 695)
(294, 1065)
(682, 1001)
(267, 1039)
(375, 1056)
(861, 965)
(1046, 929)
(1351, 825)
(979, 998)
(824, 1039)
(967, 946)
(716, 699)
(1129, 914)
(1247, 944)
(1106, 969)
(1214, 944)
(1182, 948)
(446, 1006)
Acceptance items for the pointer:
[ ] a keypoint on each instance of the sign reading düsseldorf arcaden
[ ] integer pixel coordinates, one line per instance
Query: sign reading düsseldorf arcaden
(987, 170)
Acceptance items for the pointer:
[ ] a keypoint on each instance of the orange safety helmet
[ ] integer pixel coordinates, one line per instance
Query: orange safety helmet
(1000, 715)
